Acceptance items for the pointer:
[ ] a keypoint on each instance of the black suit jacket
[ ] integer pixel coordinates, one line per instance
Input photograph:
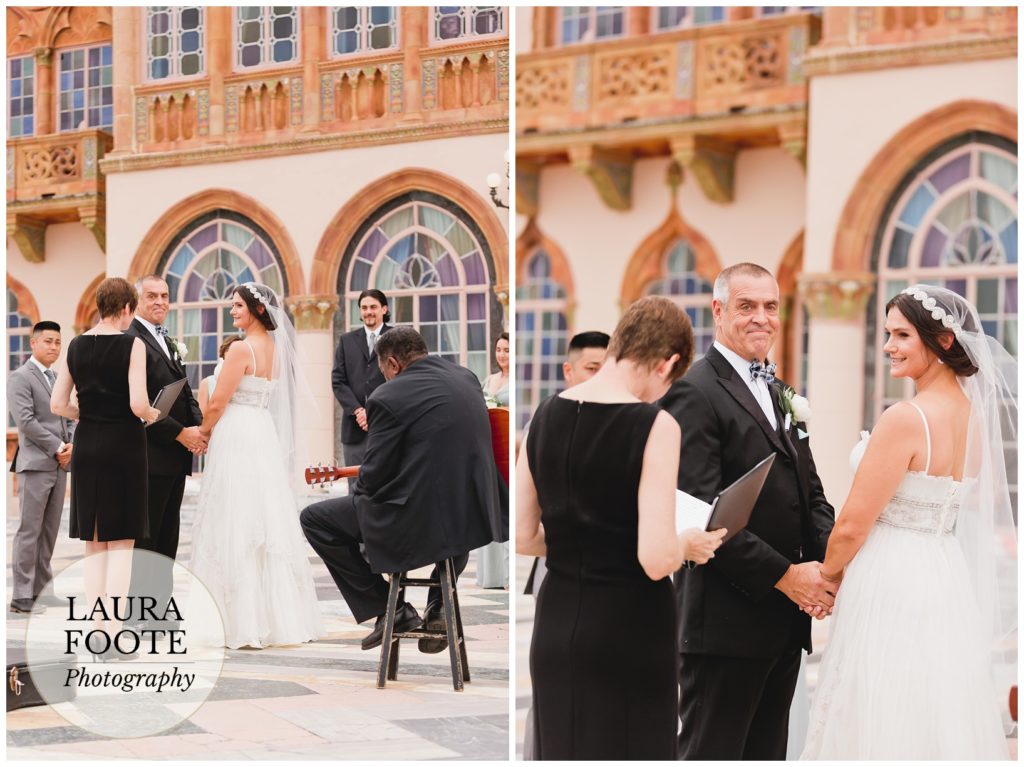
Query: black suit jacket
(428, 488)
(167, 456)
(354, 377)
(730, 606)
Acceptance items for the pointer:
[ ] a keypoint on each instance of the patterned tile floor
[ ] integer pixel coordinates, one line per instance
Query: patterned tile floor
(315, 701)
(524, 629)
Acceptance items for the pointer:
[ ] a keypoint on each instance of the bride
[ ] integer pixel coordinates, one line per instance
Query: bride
(247, 547)
(925, 550)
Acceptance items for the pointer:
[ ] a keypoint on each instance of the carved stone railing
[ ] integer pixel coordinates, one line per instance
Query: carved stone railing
(269, 104)
(743, 65)
(56, 166)
(354, 92)
(895, 25)
(172, 117)
(465, 75)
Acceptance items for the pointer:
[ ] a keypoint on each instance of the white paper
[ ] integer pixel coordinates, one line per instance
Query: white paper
(691, 512)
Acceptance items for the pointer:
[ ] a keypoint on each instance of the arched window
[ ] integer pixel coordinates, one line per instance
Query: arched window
(202, 266)
(19, 331)
(542, 335)
(952, 222)
(682, 283)
(433, 263)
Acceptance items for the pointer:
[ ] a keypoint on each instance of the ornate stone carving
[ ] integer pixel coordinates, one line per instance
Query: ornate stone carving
(326, 97)
(737, 63)
(542, 87)
(712, 161)
(90, 152)
(295, 92)
(611, 172)
(581, 84)
(797, 51)
(396, 83)
(204, 111)
(837, 295)
(29, 234)
(793, 137)
(503, 75)
(527, 187)
(313, 312)
(93, 217)
(684, 69)
(635, 74)
(58, 163)
(428, 70)
(141, 120)
(231, 109)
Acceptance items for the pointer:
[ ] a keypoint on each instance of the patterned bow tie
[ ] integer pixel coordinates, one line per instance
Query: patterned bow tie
(160, 330)
(759, 369)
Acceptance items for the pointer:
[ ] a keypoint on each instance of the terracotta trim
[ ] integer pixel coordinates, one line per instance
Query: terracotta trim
(26, 302)
(160, 235)
(533, 238)
(647, 262)
(86, 309)
(861, 215)
(323, 276)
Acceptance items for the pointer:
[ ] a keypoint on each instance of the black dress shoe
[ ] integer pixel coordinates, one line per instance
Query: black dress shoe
(406, 619)
(49, 600)
(26, 606)
(433, 620)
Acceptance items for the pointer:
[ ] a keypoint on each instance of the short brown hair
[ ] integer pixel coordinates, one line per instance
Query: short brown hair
(113, 294)
(652, 330)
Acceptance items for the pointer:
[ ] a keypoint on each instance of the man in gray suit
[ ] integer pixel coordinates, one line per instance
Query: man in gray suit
(41, 463)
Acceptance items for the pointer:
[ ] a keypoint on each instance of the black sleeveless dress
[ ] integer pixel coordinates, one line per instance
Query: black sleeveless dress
(108, 463)
(603, 659)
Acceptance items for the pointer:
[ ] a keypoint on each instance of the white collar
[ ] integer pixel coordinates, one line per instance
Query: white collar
(147, 324)
(39, 364)
(377, 330)
(739, 364)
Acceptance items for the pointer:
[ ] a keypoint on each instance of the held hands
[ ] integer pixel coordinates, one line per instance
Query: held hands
(360, 414)
(805, 585)
(699, 546)
(64, 457)
(194, 439)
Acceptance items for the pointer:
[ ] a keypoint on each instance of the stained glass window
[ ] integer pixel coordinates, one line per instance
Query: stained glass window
(174, 41)
(86, 88)
(454, 21)
(21, 80)
(368, 28)
(202, 271)
(19, 331)
(542, 336)
(431, 266)
(581, 23)
(680, 16)
(266, 35)
(689, 290)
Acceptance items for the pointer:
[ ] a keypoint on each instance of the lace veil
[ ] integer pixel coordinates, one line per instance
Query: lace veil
(985, 526)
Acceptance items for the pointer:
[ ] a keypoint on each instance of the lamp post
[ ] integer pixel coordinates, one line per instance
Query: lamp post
(494, 180)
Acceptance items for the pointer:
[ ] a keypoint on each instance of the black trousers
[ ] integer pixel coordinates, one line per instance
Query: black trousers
(156, 579)
(332, 529)
(736, 708)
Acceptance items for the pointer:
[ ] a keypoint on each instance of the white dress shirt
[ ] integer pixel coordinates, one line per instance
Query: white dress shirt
(376, 331)
(160, 340)
(758, 388)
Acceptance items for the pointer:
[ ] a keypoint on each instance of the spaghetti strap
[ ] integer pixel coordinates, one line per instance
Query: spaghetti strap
(927, 436)
(254, 361)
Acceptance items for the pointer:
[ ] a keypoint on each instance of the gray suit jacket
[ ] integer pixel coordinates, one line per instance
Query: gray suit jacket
(39, 430)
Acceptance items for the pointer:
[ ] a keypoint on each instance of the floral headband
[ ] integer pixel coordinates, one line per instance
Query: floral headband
(938, 313)
(256, 293)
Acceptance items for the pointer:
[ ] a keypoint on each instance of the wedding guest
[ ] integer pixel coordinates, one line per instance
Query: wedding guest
(587, 353)
(427, 491)
(356, 373)
(109, 484)
(492, 559)
(596, 494)
(740, 661)
(170, 444)
(41, 464)
(207, 385)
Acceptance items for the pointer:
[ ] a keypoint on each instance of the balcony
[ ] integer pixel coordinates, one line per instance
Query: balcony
(698, 94)
(55, 179)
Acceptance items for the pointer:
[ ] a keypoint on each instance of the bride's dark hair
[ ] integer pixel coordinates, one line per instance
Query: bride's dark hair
(248, 293)
(932, 330)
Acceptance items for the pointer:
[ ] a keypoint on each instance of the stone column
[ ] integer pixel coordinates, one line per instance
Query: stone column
(314, 317)
(414, 25)
(127, 36)
(44, 112)
(218, 65)
(314, 38)
(836, 304)
(638, 20)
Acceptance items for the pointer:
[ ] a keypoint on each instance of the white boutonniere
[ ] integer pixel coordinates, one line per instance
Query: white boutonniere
(797, 408)
(179, 348)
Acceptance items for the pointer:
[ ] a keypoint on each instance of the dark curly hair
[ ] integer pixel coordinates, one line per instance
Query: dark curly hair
(932, 330)
(259, 311)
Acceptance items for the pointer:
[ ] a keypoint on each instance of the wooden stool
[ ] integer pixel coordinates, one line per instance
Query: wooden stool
(388, 666)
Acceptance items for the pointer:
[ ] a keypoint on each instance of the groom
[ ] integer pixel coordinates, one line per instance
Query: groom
(741, 627)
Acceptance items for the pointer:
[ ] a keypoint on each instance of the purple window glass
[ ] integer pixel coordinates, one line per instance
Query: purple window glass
(1011, 296)
(209, 321)
(950, 173)
(476, 306)
(931, 255)
(194, 287)
(428, 308)
(373, 244)
(360, 275)
(473, 265)
(258, 254)
(447, 272)
(401, 250)
(204, 238)
(449, 307)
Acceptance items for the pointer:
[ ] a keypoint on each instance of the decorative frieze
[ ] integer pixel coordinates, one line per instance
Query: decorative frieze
(636, 74)
(503, 75)
(313, 312)
(396, 81)
(581, 84)
(684, 69)
(837, 295)
(204, 111)
(428, 70)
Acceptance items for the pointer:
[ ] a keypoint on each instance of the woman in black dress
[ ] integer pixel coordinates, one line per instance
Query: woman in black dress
(108, 470)
(596, 486)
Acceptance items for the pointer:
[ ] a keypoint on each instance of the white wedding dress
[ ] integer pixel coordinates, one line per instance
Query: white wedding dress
(905, 674)
(247, 545)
